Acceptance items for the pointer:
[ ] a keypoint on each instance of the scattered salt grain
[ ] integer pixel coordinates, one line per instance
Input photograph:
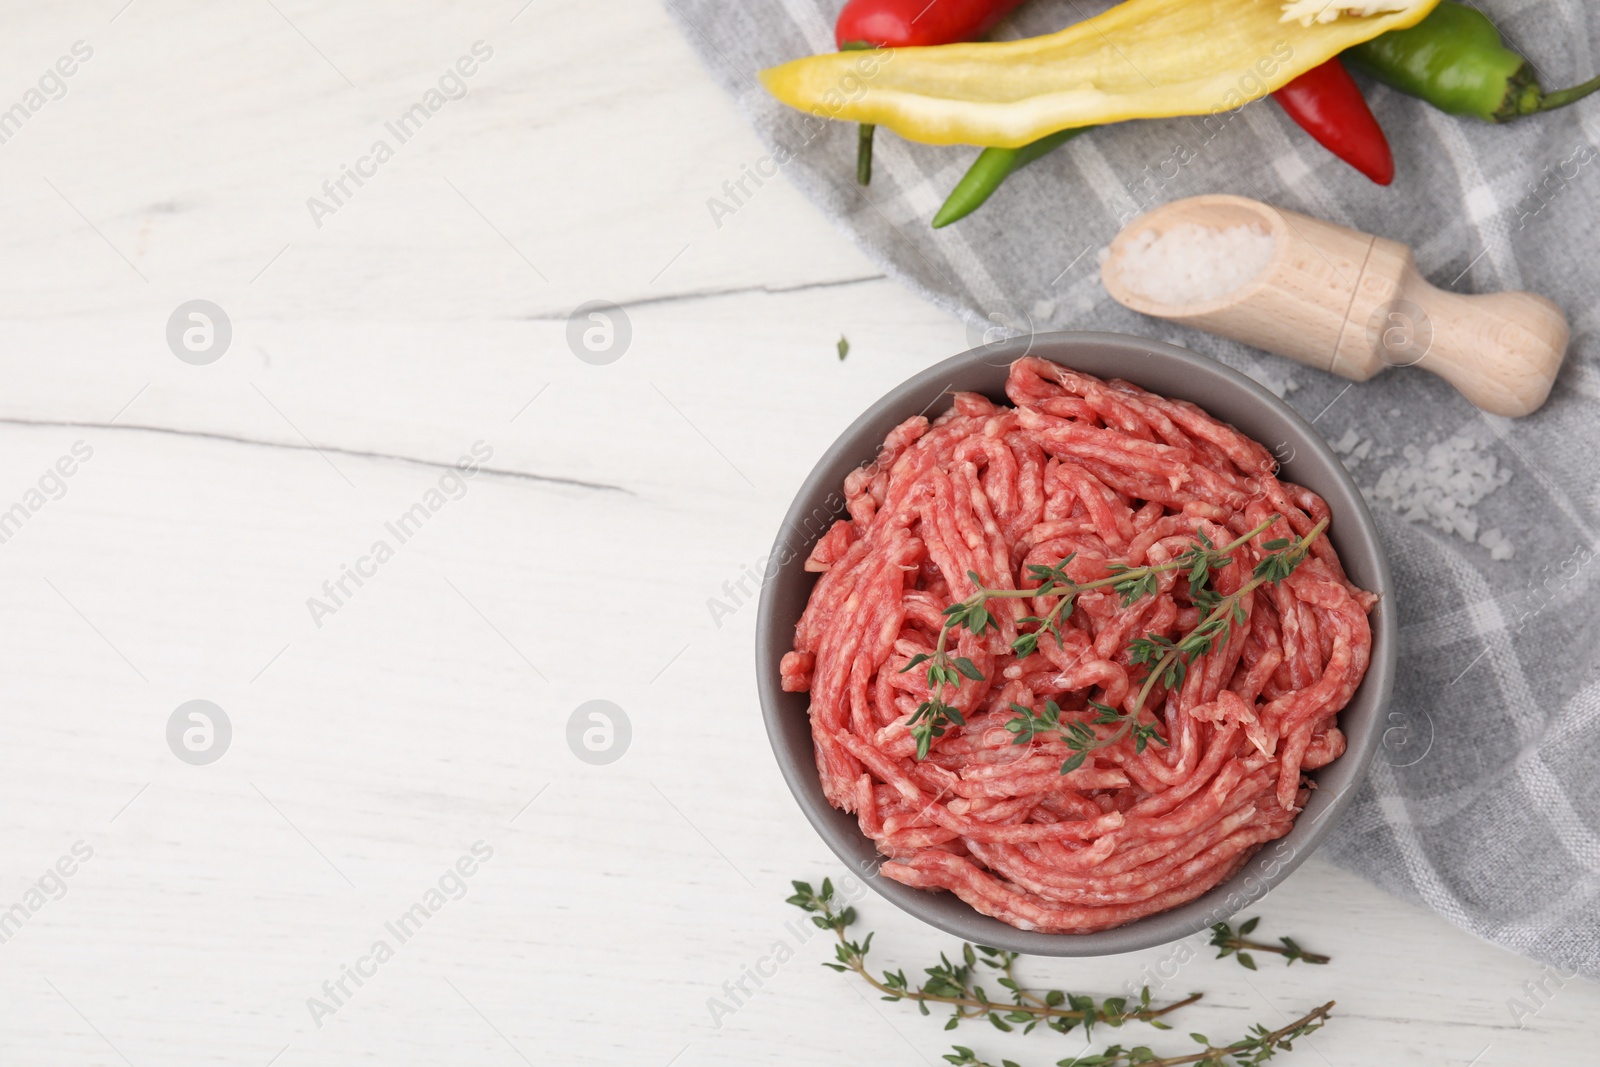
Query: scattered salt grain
(1498, 544)
(1353, 448)
(1191, 264)
(1268, 374)
(1442, 486)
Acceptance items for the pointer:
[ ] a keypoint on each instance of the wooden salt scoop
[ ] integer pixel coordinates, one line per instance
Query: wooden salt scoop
(1354, 304)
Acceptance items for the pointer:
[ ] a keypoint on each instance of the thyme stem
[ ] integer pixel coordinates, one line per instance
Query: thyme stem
(1236, 944)
(1259, 1047)
(1225, 607)
(1074, 588)
(954, 985)
(972, 1008)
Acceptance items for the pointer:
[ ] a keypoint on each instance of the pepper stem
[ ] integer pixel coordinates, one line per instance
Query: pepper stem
(1525, 96)
(864, 132)
(1563, 97)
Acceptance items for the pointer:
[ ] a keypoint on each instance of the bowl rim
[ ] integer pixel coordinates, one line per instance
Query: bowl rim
(1355, 536)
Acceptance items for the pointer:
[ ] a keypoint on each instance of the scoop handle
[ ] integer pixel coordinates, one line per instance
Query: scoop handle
(1501, 350)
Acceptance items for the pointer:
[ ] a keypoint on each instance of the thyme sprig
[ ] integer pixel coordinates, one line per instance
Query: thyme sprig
(935, 715)
(1167, 661)
(1260, 1046)
(955, 984)
(1236, 944)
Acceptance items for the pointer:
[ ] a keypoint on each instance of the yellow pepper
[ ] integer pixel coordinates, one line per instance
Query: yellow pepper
(1141, 59)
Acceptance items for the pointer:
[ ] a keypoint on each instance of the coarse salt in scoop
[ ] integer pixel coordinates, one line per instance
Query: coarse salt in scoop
(1194, 264)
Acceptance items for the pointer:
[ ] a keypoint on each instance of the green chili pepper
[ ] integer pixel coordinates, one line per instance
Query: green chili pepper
(1456, 61)
(993, 166)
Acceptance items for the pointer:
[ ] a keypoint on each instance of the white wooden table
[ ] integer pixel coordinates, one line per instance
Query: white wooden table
(375, 740)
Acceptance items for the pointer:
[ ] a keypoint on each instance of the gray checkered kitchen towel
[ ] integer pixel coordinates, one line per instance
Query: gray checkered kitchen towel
(1484, 804)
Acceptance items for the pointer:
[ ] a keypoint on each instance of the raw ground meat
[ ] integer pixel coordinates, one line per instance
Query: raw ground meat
(1116, 475)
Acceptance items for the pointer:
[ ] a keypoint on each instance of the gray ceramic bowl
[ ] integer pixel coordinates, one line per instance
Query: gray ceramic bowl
(1163, 369)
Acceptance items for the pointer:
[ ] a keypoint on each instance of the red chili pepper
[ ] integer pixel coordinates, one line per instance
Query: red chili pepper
(1327, 103)
(908, 24)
